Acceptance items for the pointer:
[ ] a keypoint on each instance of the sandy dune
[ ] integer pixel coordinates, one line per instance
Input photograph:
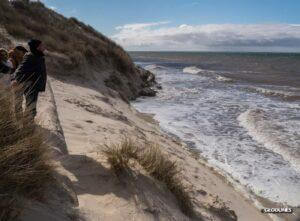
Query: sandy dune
(90, 119)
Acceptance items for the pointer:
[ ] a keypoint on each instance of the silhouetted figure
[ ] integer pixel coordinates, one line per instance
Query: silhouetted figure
(5, 66)
(31, 76)
(16, 56)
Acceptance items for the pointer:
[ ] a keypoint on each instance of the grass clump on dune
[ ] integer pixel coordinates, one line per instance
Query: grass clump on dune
(156, 164)
(161, 168)
(25, 167)
(118, 156)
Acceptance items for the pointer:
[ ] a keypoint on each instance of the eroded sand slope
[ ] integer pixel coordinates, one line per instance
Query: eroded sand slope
(89, 119)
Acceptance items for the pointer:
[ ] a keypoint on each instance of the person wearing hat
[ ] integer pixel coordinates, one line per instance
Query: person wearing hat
(31, 76)
(5, 67)
(15, 56)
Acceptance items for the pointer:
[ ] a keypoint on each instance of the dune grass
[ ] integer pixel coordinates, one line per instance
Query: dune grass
(24, 19)
(157, 164)
(118, 156)
(161, 168)
(25, 166)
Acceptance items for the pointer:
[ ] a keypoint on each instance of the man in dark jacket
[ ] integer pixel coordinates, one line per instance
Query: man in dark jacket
(31, 75)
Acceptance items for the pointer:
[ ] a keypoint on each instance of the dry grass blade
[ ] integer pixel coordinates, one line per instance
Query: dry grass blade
(25, 167)
(166, 171)
(156, 164)
(117, 161)
(10, 208)
(129, 149)
(118, 156)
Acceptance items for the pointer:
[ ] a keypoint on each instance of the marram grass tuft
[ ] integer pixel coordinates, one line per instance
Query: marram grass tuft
(25, 165)
(155, 163)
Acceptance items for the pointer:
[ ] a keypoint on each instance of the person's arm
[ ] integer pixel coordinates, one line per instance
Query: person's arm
(26, 67)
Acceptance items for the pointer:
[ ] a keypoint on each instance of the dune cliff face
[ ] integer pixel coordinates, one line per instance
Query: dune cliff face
(76, 52)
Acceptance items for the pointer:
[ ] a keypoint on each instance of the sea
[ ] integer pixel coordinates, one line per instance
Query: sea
(240, 111)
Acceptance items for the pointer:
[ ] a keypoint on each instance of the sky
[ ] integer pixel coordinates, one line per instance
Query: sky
(191, 25)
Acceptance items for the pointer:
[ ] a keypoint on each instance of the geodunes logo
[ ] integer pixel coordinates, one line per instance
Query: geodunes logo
(277, 210)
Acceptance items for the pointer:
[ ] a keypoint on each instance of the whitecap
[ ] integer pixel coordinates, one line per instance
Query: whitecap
(192, 70)
(224, 79)
(154, 67)
(265, 131)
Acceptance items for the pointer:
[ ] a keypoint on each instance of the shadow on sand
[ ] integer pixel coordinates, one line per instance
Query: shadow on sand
(91, 177)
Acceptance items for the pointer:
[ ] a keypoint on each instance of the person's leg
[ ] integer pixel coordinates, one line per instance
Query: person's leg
(31, 102)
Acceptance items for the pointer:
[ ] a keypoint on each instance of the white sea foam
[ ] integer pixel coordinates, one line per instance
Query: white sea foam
(215, 74)
(154, 67)
(265, 131)
(204, 113)
(192, 70)
(224, 79)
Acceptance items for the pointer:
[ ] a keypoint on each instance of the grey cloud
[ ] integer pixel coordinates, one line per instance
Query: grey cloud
(205, 37)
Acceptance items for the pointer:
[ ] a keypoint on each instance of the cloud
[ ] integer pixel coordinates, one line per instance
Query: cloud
(140, 26)
(53, 8)
(227, 37)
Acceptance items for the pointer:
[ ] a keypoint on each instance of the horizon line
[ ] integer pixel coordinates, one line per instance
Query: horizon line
(174, 51)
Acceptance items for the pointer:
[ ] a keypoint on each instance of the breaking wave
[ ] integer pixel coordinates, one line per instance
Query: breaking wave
(248, 128)
(224, 79)
(214, 74)
(192, 70)
(272, 136)
(154, 67)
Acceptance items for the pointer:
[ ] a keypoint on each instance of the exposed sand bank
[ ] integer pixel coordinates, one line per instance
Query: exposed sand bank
(89, 119)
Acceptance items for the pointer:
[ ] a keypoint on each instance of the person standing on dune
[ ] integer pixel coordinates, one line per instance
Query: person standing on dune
(31, 76)
(16, 56)
(5, 66)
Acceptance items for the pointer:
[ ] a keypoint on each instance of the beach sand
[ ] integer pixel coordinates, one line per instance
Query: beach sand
(89, 119)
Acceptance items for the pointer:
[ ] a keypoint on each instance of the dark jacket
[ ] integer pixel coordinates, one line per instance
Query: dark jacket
(32, 72)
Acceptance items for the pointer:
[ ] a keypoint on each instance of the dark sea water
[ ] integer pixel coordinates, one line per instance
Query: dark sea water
(240, 110)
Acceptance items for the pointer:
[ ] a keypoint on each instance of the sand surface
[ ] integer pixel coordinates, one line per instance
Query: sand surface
(90, 119)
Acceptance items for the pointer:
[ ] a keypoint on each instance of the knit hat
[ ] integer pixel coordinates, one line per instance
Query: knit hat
(34, 44)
